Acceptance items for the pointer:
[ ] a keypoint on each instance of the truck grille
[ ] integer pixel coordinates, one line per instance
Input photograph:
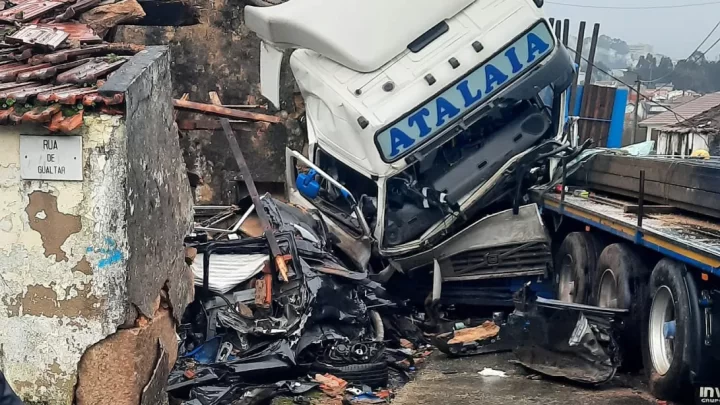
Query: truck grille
(517, 260)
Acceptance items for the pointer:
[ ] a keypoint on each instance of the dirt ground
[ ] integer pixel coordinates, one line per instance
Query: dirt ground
(456, 381)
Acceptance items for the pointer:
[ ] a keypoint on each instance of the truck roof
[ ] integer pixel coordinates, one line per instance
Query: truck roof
(362, 35)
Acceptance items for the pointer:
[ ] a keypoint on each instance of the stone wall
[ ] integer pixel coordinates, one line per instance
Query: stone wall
(92, 278)
(220, 54)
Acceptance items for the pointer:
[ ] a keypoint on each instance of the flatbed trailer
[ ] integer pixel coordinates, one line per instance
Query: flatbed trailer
(663, 266)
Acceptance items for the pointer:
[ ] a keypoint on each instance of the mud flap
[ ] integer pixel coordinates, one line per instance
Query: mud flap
(572, 341)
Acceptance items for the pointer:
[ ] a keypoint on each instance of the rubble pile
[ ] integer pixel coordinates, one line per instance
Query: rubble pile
(250, 337)
(53, 59)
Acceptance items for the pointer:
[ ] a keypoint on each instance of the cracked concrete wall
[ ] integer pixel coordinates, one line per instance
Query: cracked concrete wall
(64, 252)
(93, 278)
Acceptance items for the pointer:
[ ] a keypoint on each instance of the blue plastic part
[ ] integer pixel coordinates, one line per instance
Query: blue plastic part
(669, 329)
(617, 120)
(307, 185)
(207, 352)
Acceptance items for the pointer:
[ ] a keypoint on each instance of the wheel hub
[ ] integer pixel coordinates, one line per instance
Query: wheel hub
(662, 330)
(567, 287)
(608, 296)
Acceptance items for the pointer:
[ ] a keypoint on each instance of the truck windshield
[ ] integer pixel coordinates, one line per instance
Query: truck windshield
(431, 188)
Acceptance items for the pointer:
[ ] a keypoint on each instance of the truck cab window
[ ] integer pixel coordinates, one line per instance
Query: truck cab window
(362, 188)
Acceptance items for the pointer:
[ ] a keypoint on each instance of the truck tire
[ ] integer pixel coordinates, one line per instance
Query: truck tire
(667, 361)
(575, 264)
(621, 282)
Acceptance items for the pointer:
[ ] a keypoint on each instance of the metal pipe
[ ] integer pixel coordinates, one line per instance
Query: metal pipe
(641, 198)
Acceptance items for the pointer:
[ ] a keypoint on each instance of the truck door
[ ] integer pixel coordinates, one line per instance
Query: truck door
(311, 187)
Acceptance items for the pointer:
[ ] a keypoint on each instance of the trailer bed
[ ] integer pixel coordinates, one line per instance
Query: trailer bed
(692, 240)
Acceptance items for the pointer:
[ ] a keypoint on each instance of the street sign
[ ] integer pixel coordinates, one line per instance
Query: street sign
(50, 157)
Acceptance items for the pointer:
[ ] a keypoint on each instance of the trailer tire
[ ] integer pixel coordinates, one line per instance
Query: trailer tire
(669, 300)
(621, 282)
(575, 264)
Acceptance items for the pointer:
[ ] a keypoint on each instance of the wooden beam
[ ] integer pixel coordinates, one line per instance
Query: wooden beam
(224, 112)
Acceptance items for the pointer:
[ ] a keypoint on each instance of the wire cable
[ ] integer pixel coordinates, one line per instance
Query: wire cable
(634, 7)
(678, 117)
(688, 58)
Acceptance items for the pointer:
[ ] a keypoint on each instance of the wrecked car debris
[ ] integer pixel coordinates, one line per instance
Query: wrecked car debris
(241, 335)
(572, 341)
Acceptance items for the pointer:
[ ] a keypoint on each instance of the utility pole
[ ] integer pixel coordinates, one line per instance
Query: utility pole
(637, 114)
(578, 63)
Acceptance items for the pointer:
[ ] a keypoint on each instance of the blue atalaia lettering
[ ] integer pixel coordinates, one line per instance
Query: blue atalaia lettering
(418, 119)
(445, 109)
(399, 141)
(468, 97)
(511, 54)
(535, 46)
(493, 75)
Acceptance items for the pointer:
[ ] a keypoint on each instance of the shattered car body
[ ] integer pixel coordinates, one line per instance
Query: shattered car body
(240, 342)
(558, 339)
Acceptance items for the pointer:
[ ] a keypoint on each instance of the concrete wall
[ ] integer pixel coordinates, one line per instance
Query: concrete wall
(64, 247)
(220, 54)
(93, 278)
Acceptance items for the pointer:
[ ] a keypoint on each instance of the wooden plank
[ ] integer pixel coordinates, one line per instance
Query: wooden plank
(224, 112)
(694, 200)
(677, 172)
(650, 209)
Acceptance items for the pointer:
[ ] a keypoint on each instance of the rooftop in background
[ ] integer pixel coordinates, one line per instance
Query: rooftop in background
(53, 59)
(684, 112)
(707, 122)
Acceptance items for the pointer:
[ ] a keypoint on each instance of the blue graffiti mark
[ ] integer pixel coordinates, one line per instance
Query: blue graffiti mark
(111, 252)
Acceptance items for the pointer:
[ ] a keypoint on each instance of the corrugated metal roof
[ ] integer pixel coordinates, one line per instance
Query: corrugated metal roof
(685, 111)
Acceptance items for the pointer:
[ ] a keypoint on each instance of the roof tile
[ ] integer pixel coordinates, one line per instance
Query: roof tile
(684, 112)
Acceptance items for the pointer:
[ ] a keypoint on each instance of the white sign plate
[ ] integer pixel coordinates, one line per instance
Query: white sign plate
(50, 157)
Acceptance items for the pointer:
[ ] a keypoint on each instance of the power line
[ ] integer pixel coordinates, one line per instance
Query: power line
(635, 7)
(587, 79)
(711, 47)
(688, 58)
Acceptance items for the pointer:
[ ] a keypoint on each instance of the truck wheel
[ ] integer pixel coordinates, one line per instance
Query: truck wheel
(666, 332)
(621, 282)
(575, 265)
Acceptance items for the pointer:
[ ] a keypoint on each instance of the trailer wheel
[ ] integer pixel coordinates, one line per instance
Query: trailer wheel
(575, 264)
(621, 282)
(667, 332)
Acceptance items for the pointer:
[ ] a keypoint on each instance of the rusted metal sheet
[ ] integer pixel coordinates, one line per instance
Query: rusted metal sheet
(50, 37)
(28, 11)
(11, 74)
(596, 114)
(42, 72)
(91, 71)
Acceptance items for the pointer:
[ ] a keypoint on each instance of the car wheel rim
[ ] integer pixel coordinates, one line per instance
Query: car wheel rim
(566, 283)
(607, 295)
(662, 330)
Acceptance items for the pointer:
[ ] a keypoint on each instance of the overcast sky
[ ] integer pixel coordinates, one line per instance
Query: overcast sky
(673, 32)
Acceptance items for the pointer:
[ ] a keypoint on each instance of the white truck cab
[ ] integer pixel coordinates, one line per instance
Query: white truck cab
(418, 114)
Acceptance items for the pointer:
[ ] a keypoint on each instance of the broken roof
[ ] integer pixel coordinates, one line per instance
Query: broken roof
(52, 65)
(684, 112)
(707, 122)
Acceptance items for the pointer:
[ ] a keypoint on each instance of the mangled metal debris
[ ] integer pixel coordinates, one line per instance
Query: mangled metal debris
(243, 335)
(572, 341)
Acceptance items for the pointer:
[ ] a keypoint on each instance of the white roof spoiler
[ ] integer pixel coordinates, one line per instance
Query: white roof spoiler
(271, 58)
